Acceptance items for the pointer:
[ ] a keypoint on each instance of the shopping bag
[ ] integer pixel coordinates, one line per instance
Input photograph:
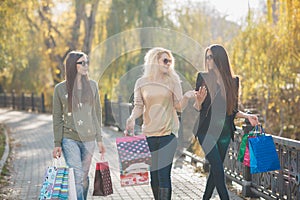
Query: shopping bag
(263, 155)
(55, 183)
(60, 190)
(102, 180)
(72, 187)
(134, 178)
(242, 149)
(246, 161)
(133, 150)
(134, 160)
(48, 183)
(257, 130)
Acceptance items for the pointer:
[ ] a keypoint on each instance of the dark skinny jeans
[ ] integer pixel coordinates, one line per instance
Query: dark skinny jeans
(215, 154)
(162, 153)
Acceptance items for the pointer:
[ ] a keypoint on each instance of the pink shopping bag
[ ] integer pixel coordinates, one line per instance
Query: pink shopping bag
(132, 150)
(134, 160)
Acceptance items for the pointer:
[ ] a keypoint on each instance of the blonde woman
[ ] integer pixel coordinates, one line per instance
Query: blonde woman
(158, 96)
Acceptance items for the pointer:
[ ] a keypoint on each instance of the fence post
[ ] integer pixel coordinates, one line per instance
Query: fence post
(13, 99)
(120, 113)
(22, 101)
(32, 102)
(105, 109)
(5, 99)
(43, 103)
(246, 184)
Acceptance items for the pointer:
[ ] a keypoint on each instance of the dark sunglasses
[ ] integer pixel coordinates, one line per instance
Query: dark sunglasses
(166, 61)
(83, 63)
(209, 57)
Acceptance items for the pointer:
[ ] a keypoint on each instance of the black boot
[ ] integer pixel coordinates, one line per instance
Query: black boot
(155, 191)
(165, 193)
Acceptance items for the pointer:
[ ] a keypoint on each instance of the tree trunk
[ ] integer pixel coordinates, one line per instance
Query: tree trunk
(89, 23)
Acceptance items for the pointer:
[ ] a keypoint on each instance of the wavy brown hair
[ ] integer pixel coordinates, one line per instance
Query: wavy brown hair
(71, 74)
(221, 60)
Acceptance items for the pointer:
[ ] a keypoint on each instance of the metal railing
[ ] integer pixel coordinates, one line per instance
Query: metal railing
(279, 184)
(28, 102)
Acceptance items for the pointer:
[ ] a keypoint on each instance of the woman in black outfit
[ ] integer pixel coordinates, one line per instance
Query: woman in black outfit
(217, 102)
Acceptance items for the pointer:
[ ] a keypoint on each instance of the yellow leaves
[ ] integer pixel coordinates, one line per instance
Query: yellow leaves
(49, 51)
(267, 57)
(269, 11)
(271, 105)
(57, 71)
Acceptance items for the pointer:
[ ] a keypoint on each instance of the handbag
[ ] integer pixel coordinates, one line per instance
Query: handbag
(263, 155)
(102, 180)
(134, 160)
(55, 183)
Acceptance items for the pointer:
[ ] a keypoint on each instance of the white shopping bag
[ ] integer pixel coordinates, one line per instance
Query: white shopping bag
(72, 188)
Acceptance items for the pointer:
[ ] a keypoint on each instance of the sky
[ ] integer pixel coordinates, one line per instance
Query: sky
(235, 10)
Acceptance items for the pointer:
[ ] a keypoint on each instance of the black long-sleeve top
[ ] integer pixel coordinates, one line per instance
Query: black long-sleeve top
(213, 117)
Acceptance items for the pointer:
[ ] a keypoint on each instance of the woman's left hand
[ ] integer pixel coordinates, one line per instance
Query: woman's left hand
(102, 149)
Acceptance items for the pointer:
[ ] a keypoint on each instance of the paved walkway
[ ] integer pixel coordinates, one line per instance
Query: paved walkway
(32, 143)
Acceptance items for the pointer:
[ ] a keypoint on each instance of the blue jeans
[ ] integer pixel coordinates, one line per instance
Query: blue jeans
(215, 156)
(162, 153)
(78, 155)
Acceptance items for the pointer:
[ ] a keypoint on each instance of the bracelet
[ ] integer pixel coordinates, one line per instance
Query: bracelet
(197, 109)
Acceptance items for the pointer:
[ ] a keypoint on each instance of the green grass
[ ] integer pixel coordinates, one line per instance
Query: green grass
(2, 140)
(5, 174)
(5, 170)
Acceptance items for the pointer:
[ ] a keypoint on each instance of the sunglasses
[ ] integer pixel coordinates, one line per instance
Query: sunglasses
(166, 61)
(209, 57)
(83, 63)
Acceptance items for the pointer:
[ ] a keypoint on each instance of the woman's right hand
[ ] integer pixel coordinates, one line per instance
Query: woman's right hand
(130, 123)
(57, 152)
(201, 95)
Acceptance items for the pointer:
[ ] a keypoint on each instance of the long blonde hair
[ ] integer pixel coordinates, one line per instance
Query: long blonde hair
(151, 66)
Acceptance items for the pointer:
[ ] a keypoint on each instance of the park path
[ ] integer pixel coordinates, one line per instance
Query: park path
(31, 140)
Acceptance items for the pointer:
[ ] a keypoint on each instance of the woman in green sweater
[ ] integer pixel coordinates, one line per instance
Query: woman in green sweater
(77, 120)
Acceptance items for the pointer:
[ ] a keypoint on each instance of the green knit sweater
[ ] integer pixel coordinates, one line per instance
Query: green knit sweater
(83, 124)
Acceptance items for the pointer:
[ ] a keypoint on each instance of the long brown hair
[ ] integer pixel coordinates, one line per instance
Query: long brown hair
(71, 74)
(221, 60)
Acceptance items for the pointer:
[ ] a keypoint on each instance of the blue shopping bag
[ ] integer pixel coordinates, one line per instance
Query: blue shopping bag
(55, 183)
(58, 182)
(263, 155)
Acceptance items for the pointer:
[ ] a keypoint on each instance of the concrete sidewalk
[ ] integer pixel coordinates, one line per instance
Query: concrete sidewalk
(31, 138)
